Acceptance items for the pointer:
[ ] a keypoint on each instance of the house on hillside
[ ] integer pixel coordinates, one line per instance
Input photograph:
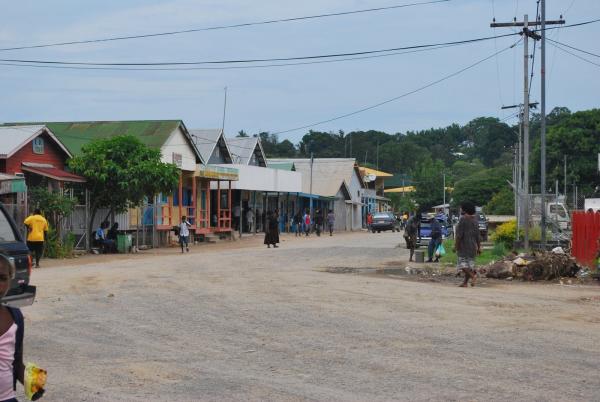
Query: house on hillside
(208, 213)
(331, 183)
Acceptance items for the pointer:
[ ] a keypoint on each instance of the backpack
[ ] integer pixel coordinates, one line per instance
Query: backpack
(17, 317)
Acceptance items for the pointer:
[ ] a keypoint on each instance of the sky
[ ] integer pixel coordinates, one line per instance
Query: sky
(283, 98)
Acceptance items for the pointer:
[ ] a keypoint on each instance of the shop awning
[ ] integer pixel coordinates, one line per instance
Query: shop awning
(53, 173)
(316, 197)
(11, 184)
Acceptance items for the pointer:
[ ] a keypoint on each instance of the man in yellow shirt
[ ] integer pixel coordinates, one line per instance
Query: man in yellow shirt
(37, 226)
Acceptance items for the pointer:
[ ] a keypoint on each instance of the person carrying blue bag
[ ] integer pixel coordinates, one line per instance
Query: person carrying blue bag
(436, 240)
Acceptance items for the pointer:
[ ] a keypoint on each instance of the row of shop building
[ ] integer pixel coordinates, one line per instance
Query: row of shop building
(225, 184)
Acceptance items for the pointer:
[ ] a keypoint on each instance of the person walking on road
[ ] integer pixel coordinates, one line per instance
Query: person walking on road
(369, 221)
(436, 239)
(318, 221)
(307, 223)
(467, 243)
(37, 228)
(184, 234)
(411, 232)
(250, 220)
(330, 221)
(272, 229)
(297, 221)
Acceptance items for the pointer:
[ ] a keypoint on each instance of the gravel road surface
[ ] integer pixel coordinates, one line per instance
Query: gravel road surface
(237, 321)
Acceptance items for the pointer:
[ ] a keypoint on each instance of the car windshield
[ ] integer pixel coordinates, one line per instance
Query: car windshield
(6, 230)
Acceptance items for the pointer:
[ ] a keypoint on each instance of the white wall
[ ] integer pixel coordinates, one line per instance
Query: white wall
(177, 143)
(257, 178)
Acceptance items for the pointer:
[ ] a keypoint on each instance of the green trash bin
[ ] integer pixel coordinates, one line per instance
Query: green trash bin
(123, 243)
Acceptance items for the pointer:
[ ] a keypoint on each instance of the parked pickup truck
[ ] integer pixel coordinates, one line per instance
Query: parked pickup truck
(13, 246)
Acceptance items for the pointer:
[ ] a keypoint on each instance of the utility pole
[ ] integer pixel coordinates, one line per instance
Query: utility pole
(224, 112)
(565, 180)
(312, 159)
(519, 169)
(527, 33)
(543, 124)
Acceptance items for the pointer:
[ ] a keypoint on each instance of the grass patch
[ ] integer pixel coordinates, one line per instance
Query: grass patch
(484, 258)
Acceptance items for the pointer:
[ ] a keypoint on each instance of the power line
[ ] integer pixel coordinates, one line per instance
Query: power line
(224, 67)
(573, 48)
(214, 28)
(574, 54)
(446, 77)
(239, 61)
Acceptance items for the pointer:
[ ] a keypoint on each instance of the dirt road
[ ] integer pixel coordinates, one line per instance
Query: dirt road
(242, 322)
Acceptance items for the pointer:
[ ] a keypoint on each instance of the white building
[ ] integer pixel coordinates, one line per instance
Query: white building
(337, 179)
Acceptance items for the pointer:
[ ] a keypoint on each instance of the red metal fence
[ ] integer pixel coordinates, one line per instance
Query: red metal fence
(586, 233)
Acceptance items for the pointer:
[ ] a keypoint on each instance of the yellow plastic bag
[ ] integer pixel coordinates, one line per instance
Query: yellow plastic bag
(35, 381)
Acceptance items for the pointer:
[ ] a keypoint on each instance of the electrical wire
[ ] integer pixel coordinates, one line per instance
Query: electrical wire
(433, 83)
(214, 28)
(327, 56)
(575, 55)
(573, 48)
(227, 67)
(240, 61)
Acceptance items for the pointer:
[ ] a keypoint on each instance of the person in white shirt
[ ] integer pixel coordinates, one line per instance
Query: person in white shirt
(184, 234)
(250, 220)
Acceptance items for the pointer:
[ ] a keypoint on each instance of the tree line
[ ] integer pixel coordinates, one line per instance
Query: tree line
(476, 158)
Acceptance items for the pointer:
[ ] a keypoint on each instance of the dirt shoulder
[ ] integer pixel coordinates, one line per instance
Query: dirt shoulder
(250, 323)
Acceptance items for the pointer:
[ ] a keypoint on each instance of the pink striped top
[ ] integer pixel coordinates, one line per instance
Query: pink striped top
(7, 356)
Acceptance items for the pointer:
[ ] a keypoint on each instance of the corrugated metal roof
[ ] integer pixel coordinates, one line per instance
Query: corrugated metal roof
(242, 149)
(377, 173)
(13, 138)
(329, 174)
(153, 133)
(206, 140)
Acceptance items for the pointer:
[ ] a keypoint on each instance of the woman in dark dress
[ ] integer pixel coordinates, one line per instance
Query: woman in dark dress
(272, 229)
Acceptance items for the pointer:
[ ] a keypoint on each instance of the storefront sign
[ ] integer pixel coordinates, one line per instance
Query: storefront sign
(217, 173)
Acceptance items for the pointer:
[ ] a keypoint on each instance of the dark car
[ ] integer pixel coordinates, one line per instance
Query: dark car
(425, 230)
(483, 226)
(12, 245)
(383, 221)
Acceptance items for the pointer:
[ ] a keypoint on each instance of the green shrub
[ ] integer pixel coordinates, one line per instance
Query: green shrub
(56, 248)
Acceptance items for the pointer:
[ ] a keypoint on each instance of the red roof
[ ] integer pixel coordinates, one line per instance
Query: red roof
(54, 173)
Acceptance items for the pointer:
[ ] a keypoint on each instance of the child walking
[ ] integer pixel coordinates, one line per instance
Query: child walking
(11, 338)
(184, 234)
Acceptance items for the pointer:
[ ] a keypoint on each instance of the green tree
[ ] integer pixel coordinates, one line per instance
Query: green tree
(491, 138)
(480, 187)
(502, 203)
(429, 183)
(286, 149)
(242, 133)
(120, 172)
(577, 136)
(54, 205)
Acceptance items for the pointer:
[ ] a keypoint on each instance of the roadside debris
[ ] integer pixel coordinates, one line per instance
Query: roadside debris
(540, 266)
